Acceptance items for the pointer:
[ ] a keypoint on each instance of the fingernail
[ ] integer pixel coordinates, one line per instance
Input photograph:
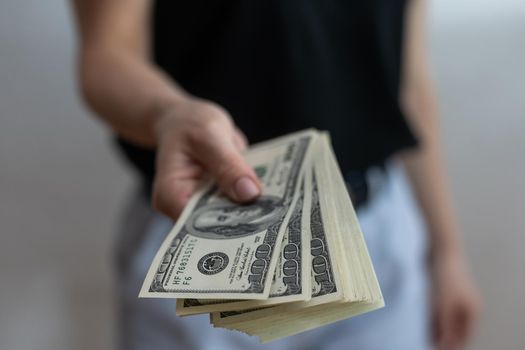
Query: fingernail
(245, 189)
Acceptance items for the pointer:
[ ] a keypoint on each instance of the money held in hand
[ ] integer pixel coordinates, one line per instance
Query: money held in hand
(293, 260)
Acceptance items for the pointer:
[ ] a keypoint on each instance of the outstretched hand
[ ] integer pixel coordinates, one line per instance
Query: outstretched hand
(194, 138)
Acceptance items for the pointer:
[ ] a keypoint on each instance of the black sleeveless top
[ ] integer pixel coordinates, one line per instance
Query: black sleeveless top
(283, 65)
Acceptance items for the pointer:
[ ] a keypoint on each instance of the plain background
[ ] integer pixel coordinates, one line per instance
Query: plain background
(62, 186)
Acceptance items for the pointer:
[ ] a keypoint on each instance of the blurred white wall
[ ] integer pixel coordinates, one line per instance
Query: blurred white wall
(478, 48)
(61, 188)
(61, 185)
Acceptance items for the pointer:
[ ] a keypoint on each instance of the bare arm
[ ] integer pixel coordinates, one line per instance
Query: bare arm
(456, 301)
(117, 79)
(426, 166)
(143, 105)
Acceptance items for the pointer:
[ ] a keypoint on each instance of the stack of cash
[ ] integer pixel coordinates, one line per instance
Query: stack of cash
(291, 261)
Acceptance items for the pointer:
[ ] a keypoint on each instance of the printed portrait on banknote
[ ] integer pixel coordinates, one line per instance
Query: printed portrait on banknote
(222, 219)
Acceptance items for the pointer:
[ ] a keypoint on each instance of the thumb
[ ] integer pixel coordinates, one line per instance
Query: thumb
(236, 179)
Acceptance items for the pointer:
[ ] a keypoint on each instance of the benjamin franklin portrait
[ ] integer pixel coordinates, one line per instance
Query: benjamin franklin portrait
(222, 220)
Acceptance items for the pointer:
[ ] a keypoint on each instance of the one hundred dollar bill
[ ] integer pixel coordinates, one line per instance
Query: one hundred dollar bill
(222, 250)
(325, 285)
(291, 281)
(325, 282)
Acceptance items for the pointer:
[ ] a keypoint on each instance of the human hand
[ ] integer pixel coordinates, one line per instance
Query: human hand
(193, 138)
(457, 303)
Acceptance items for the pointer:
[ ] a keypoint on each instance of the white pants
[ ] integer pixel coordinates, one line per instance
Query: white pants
(396, 239)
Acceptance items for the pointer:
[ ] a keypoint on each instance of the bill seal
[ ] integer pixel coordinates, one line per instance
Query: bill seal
(213, 263)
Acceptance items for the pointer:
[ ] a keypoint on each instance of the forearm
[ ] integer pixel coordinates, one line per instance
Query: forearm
(117, 79)
(426, 170)
(126, 91)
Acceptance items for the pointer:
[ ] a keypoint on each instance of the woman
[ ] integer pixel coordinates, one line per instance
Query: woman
(181, 84)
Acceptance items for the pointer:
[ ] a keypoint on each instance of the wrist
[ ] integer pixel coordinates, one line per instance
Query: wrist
(445, 243)
(447, 248)
(443, 255)
(167, 116)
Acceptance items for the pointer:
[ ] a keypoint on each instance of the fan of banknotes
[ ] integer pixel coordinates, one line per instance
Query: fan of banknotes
(291, 261)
